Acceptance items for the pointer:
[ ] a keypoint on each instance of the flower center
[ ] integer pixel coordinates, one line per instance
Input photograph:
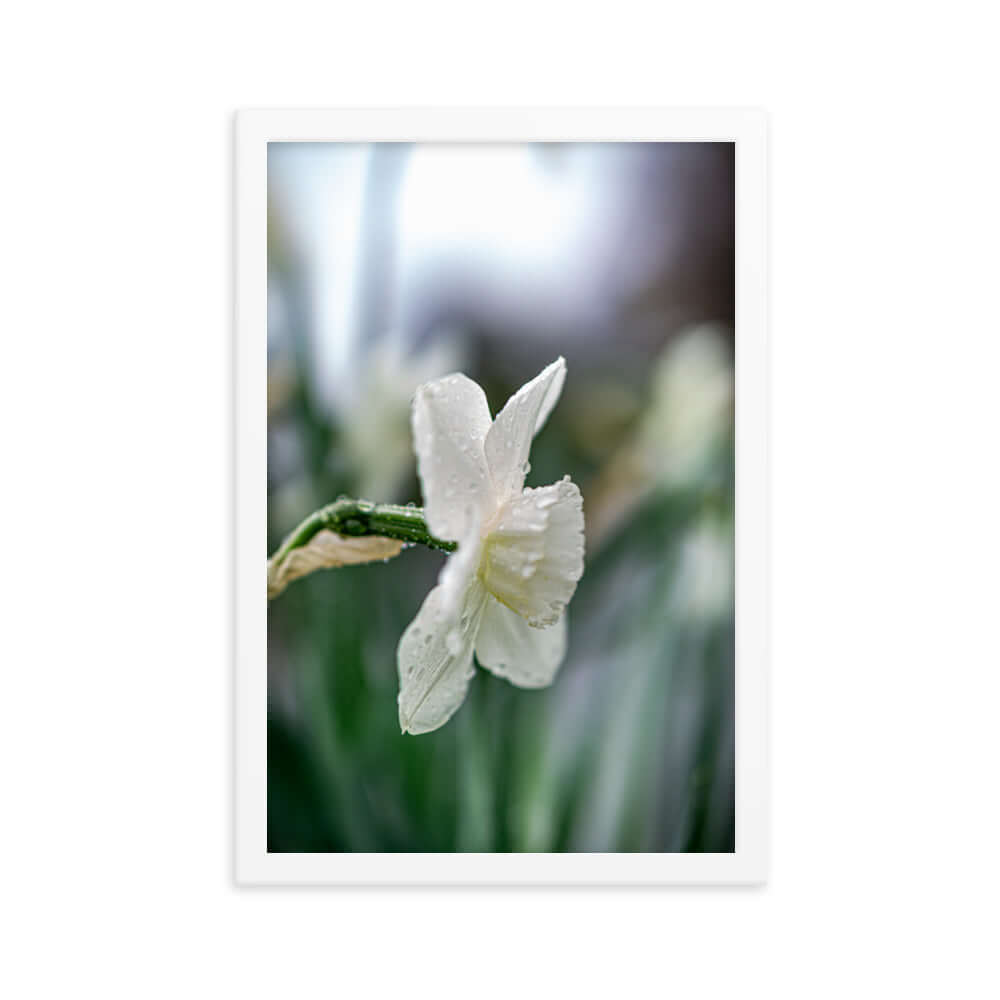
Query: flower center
(512, 555)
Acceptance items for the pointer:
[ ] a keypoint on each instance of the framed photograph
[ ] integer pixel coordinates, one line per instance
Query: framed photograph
(501, 434)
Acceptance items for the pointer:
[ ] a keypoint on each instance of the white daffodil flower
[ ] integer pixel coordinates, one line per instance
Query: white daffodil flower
(520, 551)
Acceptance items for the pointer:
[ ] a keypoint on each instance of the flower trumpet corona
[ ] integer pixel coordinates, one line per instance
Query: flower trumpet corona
(503, 594)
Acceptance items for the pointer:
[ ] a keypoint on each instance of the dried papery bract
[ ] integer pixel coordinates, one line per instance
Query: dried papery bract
(326, 550)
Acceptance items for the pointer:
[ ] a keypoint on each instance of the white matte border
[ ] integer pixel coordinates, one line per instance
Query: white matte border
(747, 128)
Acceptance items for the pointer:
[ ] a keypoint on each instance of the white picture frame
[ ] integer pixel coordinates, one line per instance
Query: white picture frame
(254, 130)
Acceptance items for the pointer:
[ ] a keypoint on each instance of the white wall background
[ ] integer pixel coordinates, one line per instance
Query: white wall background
(115, 230)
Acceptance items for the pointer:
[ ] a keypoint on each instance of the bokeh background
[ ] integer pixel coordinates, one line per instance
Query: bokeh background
(390, 264)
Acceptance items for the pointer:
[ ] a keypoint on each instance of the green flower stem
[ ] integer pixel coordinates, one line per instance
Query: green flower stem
(362, 517)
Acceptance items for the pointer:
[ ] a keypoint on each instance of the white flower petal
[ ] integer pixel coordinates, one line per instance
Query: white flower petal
(450, 422)
(509, 439)
(552, 392)
(510, 648)
(326, 550)
(533, 555)
(435, 659)
(459, 570)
